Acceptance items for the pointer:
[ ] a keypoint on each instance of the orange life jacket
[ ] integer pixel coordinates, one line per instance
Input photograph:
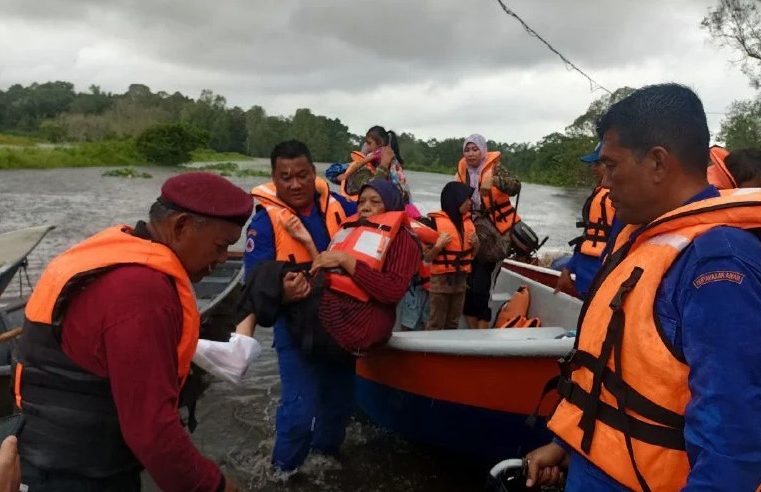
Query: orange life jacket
(496, 203)
(597, 218)
(109, 248)
(717, 172)
(513, 312)
(356, 156)
(458, 254)
(366, 240)
(71, 421)
(286, 247)
(625, 393)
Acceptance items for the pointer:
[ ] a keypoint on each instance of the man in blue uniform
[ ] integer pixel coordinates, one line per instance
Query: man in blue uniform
(316, 398)
(596, 222)
(655, 149)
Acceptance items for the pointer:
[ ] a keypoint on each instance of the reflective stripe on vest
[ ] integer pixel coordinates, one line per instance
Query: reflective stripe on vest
(597, 218)
(458, 254)
(111, 247)
(625, 392)
(496, 203)
(366, 240)
(288, 248)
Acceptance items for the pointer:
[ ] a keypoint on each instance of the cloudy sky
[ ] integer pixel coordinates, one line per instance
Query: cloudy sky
(436, 68)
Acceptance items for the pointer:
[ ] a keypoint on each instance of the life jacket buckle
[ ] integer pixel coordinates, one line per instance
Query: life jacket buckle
(567, 366)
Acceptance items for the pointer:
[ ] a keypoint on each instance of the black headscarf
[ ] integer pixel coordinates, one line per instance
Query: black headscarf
(389, 193)
(453, 196)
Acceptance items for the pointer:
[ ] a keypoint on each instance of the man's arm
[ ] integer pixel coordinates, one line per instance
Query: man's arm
(721, 342)
(349, 206)
(140, 344)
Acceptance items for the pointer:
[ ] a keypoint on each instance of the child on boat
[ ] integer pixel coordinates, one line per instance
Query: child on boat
(377, 142)
(355, 284)
(450, 257)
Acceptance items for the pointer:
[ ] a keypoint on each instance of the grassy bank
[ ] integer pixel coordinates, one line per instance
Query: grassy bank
(26, 154)
(16, 140)
(208, 155)
(103, 153)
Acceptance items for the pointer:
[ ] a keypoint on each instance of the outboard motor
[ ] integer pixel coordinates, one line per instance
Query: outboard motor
(524, 243)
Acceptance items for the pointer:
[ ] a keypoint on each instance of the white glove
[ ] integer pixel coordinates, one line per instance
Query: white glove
(227, 360)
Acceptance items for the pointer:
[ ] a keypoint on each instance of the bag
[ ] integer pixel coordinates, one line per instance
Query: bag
(335, 170)
(227, 360)
(493, 246)
(358, 179)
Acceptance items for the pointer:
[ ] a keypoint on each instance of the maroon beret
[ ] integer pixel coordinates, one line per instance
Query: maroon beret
(207, 194)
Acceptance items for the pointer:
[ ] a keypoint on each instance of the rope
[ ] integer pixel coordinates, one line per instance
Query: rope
(593, 84)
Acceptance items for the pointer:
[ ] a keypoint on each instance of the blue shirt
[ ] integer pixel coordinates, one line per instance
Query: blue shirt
(714, 327)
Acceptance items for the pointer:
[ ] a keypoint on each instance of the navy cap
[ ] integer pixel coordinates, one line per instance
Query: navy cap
(594, 156)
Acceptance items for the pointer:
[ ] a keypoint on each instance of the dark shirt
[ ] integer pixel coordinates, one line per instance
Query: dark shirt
(125, 326)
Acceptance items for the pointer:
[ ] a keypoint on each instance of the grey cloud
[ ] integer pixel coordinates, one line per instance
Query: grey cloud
(302, 45)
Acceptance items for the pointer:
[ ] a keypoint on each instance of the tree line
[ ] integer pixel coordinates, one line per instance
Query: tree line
(164, 127)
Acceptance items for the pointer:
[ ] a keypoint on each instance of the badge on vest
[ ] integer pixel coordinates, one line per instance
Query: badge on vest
(709, 277)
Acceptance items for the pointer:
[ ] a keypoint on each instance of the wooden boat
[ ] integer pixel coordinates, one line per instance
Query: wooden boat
(471, 391)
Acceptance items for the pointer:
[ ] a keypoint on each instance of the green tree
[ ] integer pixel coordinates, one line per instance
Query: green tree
(170, 144)
(584, 125)
(741, 128)
(735, 24)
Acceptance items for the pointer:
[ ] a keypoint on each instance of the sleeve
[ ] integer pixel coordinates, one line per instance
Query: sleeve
(260, 241)
(349, 206)
(504, 182)
(141, 355)
(390, 285)
(721, 342)
(573, 262)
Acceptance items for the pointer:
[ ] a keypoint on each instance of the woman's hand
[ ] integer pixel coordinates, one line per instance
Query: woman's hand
(296, 229)
(387, 155)
(334, 259)
(341, 177)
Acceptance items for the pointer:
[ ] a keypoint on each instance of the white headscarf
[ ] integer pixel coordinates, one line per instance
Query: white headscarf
(474, 173)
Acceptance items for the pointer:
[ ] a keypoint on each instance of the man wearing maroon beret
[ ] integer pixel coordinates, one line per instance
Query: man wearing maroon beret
(109, 333)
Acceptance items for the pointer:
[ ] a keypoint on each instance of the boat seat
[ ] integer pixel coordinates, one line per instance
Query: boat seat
(500, 297)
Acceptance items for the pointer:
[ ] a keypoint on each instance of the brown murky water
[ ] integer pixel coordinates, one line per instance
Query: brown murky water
(236, 426)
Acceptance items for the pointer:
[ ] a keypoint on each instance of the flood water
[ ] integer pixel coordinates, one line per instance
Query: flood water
(236, 423)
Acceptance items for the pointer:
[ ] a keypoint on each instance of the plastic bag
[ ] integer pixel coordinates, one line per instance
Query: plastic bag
(227, 360)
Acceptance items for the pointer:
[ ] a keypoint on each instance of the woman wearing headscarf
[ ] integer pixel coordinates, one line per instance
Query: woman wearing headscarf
(451, 256)
(493, 216)
(357, 325)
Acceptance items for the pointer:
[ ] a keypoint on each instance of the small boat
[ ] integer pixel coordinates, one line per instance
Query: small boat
(15, 246)
(471, 391)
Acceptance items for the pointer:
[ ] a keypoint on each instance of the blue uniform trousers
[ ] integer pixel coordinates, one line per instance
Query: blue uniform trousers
(316, 401)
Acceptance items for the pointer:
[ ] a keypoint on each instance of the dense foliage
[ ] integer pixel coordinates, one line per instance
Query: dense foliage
(170, 144)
